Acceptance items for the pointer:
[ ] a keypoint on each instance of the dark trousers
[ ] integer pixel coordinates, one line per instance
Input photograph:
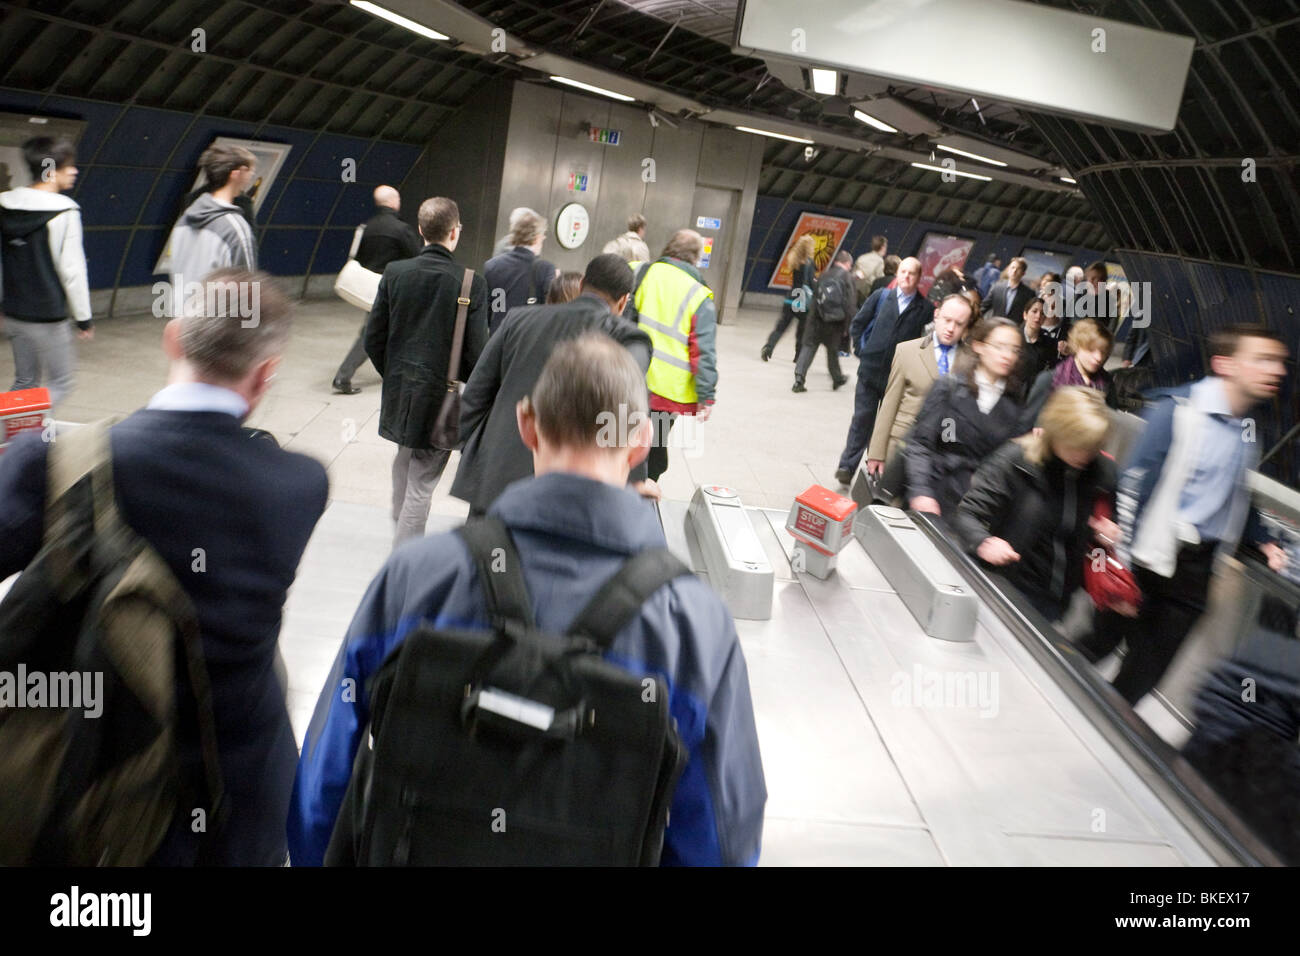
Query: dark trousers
(355, 357)
(788, 315)
(657, 461)
(1170, 607)
(826, 334)
(865, 403)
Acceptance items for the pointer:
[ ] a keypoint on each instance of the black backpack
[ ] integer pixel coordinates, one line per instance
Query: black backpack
(79, 788)
(514, 747)
(830, 298)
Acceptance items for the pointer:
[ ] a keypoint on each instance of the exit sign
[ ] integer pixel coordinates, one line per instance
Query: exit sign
(605, 136)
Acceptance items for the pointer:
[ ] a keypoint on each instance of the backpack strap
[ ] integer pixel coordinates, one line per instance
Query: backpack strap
(499, 571)
(623, 594)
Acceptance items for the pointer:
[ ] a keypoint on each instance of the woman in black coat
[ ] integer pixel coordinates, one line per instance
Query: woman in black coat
(968, 414)
(803, 272)
(1029, 510)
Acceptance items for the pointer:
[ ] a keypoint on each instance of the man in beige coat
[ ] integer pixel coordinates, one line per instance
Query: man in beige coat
(916, 366)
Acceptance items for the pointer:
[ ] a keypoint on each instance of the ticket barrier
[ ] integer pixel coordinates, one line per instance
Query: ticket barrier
(734, 558)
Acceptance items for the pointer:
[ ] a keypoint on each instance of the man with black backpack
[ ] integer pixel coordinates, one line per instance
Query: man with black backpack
(159, 553)
(834, 304)
(459, 727)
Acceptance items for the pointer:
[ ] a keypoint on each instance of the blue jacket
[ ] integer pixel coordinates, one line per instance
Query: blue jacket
(572, 534)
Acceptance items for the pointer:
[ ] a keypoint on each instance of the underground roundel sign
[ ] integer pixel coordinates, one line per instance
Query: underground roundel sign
(572, 225)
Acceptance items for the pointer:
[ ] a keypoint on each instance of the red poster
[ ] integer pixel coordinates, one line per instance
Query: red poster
(827, 231)
(938, 254)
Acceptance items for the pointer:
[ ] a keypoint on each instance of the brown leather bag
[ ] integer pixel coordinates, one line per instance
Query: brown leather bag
(446, 427)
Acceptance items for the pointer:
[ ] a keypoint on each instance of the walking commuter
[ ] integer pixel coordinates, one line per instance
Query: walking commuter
(796, 306)
(675, 308)
(1040, 351)
(566, 287)
(504, 244)
(44, 270)
(1089, 347)
(886, 279)
(385, 238)
(835, 304)
(230, 518)
(1183, 497)
(870, 266)
(519, 276)
(988, 274)
(494, 456)
(1029, 509)
(212, 233)
(630, 246)
(574, 526)
(1055, 325)
(965, 418)
(888, 317)
(916, 366)
(409, 340)
(1009, 296)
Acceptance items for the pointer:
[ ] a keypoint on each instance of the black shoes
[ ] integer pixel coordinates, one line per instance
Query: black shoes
(798, 386)
(766, 353)
(345, 388)
(839, 382)
(844, 476)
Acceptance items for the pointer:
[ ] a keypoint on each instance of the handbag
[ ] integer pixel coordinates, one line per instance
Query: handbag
(357, 285)
(446, 427)
(1112, 584)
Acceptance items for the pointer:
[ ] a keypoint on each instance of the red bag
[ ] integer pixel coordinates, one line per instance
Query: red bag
(1112, 584)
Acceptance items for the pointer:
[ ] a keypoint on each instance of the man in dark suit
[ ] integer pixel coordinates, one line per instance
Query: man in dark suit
(494, 455)
(230, 516)
(385, 238)
(1009, 296)
(889, 316)
(519, 276)
(408, 338)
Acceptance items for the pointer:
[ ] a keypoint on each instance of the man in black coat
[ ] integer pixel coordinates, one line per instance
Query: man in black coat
(835, 302)
(494, 455)
(230, 516)
(408, 338)
(889, 316)
(1009, 296)
(385, 238)
(519, 276)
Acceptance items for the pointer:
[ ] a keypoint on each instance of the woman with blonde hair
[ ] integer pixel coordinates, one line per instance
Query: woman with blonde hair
(803, 270)
(1029, 510)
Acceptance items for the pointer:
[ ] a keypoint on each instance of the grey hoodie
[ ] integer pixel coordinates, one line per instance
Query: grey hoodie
(209, 235)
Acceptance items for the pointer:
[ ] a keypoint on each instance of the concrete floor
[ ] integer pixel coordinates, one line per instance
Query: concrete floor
(854, 774)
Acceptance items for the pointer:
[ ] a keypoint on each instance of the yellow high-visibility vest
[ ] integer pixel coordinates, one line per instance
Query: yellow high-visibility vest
(665, 301)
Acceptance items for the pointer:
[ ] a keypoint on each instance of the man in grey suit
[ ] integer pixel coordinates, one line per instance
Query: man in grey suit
(494, 455)
(1009, 296)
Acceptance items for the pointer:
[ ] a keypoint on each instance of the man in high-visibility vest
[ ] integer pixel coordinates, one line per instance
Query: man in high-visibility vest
(675, 308)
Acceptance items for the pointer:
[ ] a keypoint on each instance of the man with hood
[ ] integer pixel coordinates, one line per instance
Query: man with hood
(44, 269)
(213, 233)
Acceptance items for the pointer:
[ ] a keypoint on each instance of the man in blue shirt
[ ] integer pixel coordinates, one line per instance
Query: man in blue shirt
(1183, 497)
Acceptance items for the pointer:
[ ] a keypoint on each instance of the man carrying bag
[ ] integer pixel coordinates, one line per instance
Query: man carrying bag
(411, 337)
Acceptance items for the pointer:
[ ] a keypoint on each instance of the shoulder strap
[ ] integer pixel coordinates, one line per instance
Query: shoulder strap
(356, 241)
(458, 337)
(621, 597)
(499, 571)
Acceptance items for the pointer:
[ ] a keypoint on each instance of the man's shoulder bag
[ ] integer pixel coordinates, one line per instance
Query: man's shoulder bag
(446, 427)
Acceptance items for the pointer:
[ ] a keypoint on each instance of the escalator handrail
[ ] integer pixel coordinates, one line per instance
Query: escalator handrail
(1194, 800)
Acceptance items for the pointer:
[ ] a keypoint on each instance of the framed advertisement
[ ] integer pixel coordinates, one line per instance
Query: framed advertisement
(827, 232)
(939, 253)
(1039, 261)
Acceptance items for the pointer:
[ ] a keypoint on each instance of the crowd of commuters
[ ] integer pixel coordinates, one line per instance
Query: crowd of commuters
(979, 403)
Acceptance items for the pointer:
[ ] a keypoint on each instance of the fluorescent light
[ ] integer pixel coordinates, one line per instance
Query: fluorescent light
(962, 152)
(593, 89)
(825, 81)
(400, 20)
(763, 132)
(955, 172)
(881, 125)
(1067, 179)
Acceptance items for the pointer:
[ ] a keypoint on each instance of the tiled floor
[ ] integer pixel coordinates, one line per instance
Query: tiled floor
(855, 774)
